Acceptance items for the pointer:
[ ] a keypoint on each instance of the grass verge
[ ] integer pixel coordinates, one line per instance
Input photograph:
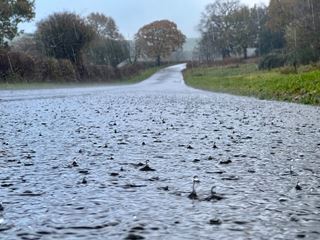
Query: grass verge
(246, 80)
(141, 76)
(46, 85)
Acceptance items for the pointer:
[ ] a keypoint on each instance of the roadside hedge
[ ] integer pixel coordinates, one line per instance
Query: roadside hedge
(21, 67)
(16, 66)
(273, 60)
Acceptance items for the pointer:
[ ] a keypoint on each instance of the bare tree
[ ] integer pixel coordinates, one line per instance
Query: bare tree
(217, 27)
(104, 26)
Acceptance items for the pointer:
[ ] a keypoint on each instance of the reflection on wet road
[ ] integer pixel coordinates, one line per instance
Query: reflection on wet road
(70, 162)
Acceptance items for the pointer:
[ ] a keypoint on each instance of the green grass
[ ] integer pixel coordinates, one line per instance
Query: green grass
(45, 85)
(140, 77)
(246, 80)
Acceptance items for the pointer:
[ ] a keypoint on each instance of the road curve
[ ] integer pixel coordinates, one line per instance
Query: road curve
(70, 163)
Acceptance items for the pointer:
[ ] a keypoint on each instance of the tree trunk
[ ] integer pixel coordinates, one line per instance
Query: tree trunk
(245, 52)
(225, 53)
(158, 61)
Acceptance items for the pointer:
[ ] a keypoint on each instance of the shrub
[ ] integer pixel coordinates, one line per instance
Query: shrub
(52, 70)
(99, 73)
(225, 62)
(273, 60)
(308, 68)
(303, 56)
(288, 70)
(131, 69)
(104, 51)
(48, 69)
(16, 66)
(317, 65)
(106, 73)
(67, 71)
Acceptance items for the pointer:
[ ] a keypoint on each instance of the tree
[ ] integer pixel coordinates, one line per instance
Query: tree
(269, 41)
(64, 36)
(207, 49)
(281, 13)
(13, 12)
(105, 51)
(244, 29)
(108, 46)
(217, 25)
(26, 44)
(303, 30)
(266, 40)
(299, 24)
(104, 26)
(159, 39)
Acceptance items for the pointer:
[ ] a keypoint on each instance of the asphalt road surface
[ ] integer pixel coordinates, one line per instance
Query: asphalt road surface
(71, 160)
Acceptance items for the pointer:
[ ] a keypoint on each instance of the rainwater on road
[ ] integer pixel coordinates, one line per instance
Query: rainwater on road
(71, 160)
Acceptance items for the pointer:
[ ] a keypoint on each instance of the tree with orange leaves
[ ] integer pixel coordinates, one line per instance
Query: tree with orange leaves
(159, 39)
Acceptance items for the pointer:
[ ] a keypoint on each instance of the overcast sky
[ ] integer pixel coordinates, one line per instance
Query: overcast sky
(130, 15)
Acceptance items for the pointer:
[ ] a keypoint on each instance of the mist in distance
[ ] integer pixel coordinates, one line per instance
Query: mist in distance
(131, 15)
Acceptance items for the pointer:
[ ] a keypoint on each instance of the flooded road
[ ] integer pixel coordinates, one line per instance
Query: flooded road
(71, 160)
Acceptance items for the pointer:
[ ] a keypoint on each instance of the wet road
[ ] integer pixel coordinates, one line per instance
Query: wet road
(69, 164)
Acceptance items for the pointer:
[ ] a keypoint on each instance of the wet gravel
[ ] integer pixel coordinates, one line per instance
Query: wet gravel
(71, 164)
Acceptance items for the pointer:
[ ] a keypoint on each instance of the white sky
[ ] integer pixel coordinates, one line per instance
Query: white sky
(130, 15)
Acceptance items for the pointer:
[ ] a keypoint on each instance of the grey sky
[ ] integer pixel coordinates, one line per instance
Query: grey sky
(130, 15)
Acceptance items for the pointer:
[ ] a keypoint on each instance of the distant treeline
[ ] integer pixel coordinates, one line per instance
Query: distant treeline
(285, 32)
(69, 48)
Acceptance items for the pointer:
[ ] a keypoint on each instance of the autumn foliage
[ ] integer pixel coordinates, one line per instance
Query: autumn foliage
(67, 47)
(159, 39)
(11, 14)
